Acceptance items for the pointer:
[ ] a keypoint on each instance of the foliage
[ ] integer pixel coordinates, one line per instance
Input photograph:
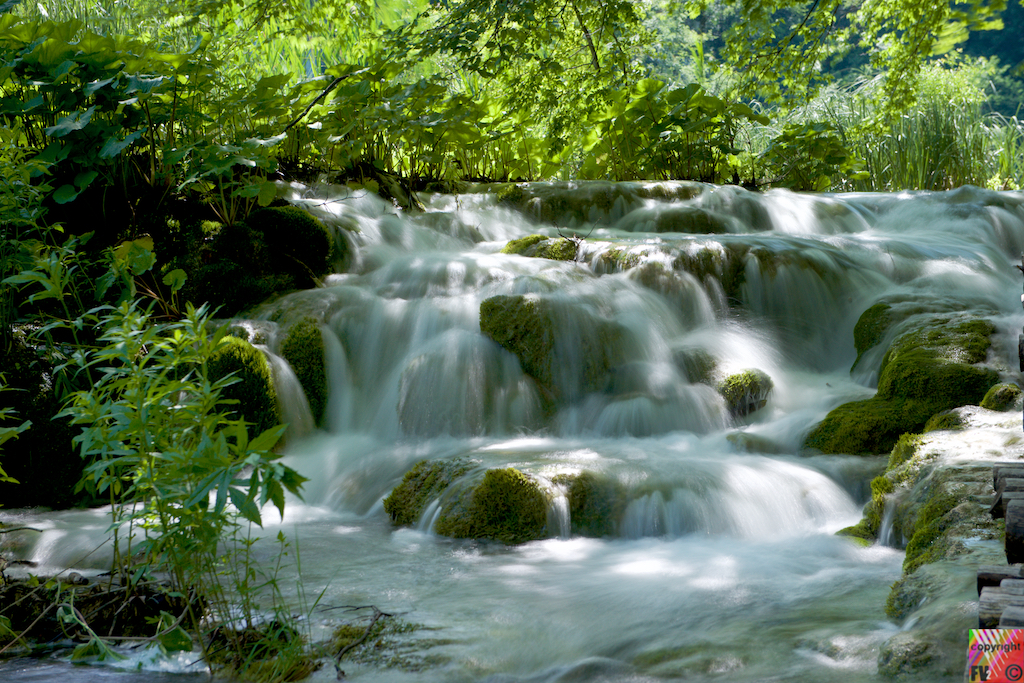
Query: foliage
(182, 476)
(8, 433)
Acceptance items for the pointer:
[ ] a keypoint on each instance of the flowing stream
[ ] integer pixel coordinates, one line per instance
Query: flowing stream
(724, 565)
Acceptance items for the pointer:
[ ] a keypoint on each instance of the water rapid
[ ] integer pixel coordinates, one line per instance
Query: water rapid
(723, 564)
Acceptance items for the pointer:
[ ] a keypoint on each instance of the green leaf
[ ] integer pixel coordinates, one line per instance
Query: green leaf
(267, 439)
(71, 122)
(268, 193)
(65, 194)
(245, 505)
(175, 279)
(113, 146)
(176, 640)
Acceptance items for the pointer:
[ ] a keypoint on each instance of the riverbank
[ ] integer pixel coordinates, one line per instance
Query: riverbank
(939, 510)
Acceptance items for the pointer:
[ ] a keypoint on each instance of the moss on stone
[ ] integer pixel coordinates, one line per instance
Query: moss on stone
(506, 506)
(561, 249)
(946, 420)
(925, 371)
(860, 533)
(904, 654)
(254, 386)
(696, 363)
(525, 326)
(928, 544)
(871, 328)
(904, 596)
(596, 504)
(1001, 397)
(520, 245)
(746, 391)
(422, 484)
(622, 259)
(906, 448)
(689, 220)
(303, 348)
(300, 243)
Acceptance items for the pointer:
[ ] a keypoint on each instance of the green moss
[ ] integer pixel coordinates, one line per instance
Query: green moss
(698, 364)
(254, 388)
(506, 506)
(303, 348)
(539, 246)
(860, 533)
(1001, 397)
(926, 371)
(522, 244)
(524, 325)
(622, 259)
(299, 242)
(596, 504)
(946, 420)
(512, 196)
(905, 449)
(562, 249)
(904, 597)
(927, 544)
(746, 391)
(422, 484)
(871, 328)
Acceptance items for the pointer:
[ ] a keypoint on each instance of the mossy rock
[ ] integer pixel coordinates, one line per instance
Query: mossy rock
(303, 348)
(539, 246)
(507, 506)
(871, 328)
(596, 504)
(525, 325)
(859, 533)
(1001, 397)
(928, 542)
(274, 250)
(253, 388)
(697, 364)
(904, 655)
(690, 220)
(300, 242)
(422, 484)
(927, 370)
(746, 391)
(946, 420)
(518, 246)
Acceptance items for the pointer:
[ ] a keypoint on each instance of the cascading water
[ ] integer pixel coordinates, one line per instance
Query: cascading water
(723, 564)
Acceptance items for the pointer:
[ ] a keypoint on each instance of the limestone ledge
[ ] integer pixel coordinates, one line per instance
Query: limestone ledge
(936, 504)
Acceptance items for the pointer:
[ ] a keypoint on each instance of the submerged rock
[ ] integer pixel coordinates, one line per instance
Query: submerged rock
(745, 392)
(928, 369)
(596, 503)
(303, 348)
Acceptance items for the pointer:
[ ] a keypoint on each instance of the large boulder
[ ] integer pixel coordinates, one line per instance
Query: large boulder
(505, 505)
(569, 351)
(930, 368)
(596, 503)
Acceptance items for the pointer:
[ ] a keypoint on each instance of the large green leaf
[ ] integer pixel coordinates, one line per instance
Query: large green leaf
(71, 122)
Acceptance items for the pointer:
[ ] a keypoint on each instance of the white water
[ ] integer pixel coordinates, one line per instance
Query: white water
(725, 566)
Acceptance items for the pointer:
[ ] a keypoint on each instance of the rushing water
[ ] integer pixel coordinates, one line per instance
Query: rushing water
(725, 565)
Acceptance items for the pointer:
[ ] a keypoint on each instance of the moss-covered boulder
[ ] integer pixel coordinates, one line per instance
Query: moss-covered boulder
(275, 249)
(303, 348)
(871, 328)
(538, 246)
(253, 388)
(946, 420)
(746, 391)
(696, 363)
(596, 504)
(422, 484)
(506, 506)
(1001, 397)
(566, 349)
(926, 370)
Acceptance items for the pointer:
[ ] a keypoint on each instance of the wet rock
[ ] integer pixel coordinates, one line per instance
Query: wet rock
(746, 391)
(930, 368)
(1001, 397)
(422, 484)
(506, 506)
(696, 363)
(568, 350)
(303, 348)
(254, 388)
(689, 220)
(596, 503)
(557, 249)
(904, 654)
